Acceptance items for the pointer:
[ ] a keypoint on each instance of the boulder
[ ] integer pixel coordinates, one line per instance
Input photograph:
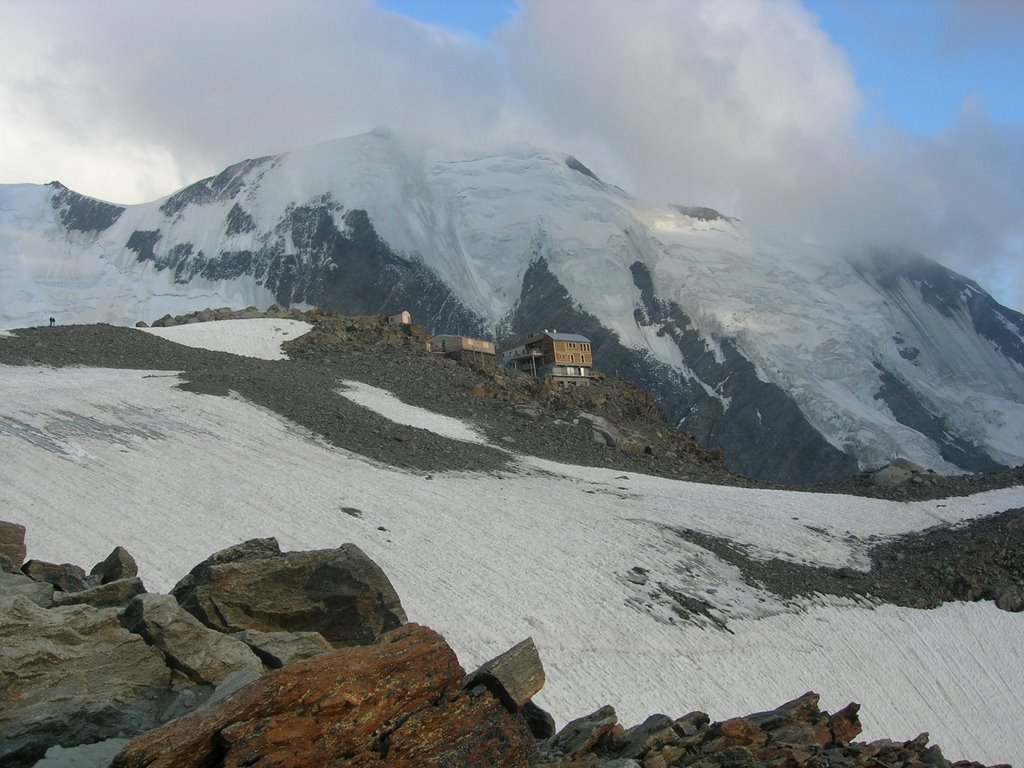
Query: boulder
(65, 577)
(278, 649)
(12, 544)
(118, 565)
(202, 654)
(395, 703)
(340, 593)
(514, 677)
(39, 592)
(77, 676)
(112, 594)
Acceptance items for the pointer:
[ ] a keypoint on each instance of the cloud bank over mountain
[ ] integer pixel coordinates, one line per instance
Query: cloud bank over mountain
(745, 106)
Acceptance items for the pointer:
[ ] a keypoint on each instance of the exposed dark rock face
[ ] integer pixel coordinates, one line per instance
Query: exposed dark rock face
(762, 432)
(143, 242)
(81, 213)
(949, 293)
(702, 213)
(579, 167)
(979, 560)
(224, 186)
(238, 221)
(909, 408)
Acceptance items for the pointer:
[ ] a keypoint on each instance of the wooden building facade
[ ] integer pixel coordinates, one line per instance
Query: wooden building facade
(479, 352)
(565, 358)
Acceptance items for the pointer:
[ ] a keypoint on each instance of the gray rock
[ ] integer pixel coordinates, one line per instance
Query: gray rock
(118, 565)
(39, 592)
(340, 593)
(98, 755)
(514, 677)
(77, 676)
(65, 577)
(12, 543)
(202, 654)
(111, 594)
(278, 649)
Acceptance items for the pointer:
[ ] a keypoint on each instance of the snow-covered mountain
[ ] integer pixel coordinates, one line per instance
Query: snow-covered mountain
(800, 364)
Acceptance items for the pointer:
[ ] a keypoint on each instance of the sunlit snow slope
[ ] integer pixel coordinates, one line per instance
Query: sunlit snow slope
(90, 458)
(799, 363)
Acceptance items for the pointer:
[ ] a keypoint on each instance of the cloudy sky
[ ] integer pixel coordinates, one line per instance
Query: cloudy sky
(848, 122)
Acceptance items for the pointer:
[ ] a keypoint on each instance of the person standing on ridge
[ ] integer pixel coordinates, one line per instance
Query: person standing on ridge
(52, 322)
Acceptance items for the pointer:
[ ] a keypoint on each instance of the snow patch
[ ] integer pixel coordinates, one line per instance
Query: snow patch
(382, 402)
(258, 337)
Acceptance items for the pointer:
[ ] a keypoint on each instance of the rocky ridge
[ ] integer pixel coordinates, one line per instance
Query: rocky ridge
(149, 684)
(610, 424)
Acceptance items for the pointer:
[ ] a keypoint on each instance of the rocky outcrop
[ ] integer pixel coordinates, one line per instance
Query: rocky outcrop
(796, 734)
(397, 703)
(74, 671)
(340, 593)
(72, 675)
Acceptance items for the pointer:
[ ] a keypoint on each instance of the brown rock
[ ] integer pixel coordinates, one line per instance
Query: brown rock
(845, 724)
(397, 703)
(12, 543)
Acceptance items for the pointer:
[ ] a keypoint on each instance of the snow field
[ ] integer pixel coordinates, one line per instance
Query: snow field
(92, 458)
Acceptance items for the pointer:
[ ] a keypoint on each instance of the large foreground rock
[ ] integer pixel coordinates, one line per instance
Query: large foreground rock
(397, 703)
(71, 676)
(340, 593)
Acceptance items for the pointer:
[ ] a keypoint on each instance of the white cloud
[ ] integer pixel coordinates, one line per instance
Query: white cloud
(743, 105)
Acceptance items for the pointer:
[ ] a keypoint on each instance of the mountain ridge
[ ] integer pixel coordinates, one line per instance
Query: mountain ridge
(801, 365)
